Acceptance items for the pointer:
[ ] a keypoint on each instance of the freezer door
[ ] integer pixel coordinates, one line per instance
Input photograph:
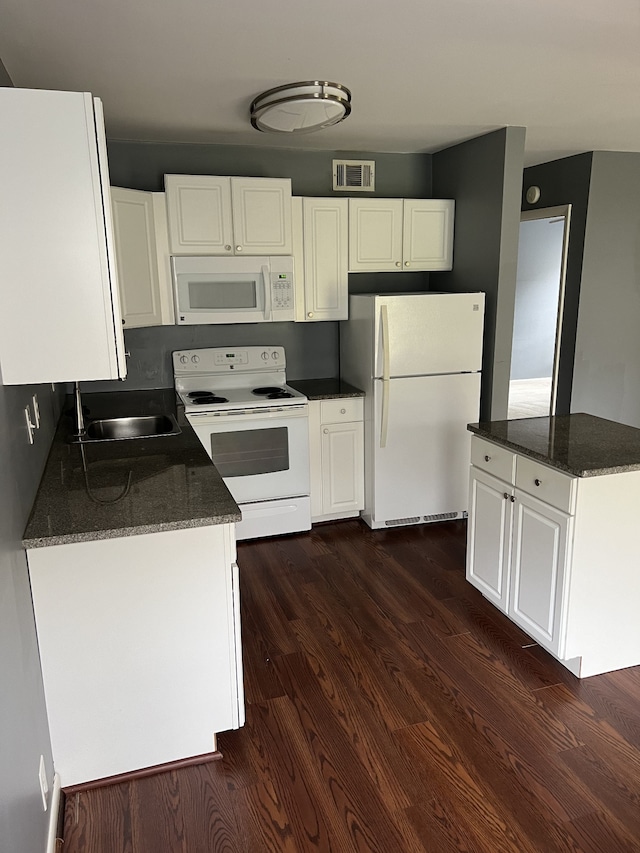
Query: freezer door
(428, 333)
(423, 466)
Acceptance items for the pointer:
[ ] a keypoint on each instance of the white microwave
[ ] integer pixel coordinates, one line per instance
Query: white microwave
(233, 290)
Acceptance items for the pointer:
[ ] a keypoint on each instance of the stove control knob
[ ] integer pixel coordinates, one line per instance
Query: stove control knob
(183, 359)
(275, 355)
(264, 356)
(195, 359)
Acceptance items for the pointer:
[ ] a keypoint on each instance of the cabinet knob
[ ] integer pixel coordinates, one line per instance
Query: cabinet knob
(343, 411)
(512, 499)
(238, 248)
(487, 459)
(537, 482)
(398, 264)
(325, 431)
(310, 314)
(506, 496)
(407, 264)
(124, 322)
(227, 248)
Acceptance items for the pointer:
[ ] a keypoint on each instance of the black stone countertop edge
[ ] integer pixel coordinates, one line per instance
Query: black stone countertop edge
(325, 389)
(579, 444)
(83, 493)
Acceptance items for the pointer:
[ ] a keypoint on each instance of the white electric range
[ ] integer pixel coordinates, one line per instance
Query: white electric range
(255, 429)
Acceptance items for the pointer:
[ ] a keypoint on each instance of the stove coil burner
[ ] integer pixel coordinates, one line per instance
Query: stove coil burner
(200, 398)
(267, 389)
(279, 395)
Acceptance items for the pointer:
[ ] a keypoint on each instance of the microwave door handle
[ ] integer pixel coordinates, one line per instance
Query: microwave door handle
(267, 292)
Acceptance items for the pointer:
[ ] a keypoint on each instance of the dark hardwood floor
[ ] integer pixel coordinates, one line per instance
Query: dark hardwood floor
(391, 709)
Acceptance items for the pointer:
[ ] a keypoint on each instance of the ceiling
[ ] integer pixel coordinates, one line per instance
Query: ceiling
(424, 74)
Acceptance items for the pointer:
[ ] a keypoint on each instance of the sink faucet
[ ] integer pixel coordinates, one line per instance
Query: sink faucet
(80, 428)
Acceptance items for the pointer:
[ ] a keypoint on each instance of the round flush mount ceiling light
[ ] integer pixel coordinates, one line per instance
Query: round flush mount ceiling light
(300, 107)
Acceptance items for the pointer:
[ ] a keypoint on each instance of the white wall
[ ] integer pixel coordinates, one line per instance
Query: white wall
(606, 379)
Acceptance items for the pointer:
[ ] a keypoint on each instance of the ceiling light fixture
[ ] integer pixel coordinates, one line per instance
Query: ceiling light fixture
(300, 107)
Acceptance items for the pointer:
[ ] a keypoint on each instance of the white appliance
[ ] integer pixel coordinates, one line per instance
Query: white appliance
(255, 428)
(233, 290)
(418, 358)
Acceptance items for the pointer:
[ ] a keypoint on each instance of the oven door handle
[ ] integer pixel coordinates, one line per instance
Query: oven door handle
(266, 278)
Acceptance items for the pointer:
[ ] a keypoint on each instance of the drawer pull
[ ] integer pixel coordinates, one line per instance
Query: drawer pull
(537, 482)
(343, 411)
(487, 459)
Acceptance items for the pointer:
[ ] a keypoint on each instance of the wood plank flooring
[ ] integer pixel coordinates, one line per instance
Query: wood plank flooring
(389, 709)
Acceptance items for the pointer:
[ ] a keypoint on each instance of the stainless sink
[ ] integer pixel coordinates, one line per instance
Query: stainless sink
(144, 426)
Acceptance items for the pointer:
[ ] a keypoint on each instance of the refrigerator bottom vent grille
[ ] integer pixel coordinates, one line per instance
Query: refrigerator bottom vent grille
(395, 522)
(443, 516)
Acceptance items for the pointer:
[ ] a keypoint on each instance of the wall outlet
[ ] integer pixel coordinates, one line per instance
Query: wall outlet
(44, 785)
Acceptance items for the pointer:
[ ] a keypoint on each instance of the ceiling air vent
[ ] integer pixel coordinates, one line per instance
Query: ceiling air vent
(354, 175)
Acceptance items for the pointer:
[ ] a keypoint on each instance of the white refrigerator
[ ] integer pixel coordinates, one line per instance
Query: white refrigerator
(418, 357)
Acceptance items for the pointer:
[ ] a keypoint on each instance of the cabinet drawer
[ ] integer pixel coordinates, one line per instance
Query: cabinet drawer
(496, 460)
(343, 409)
(547, 484)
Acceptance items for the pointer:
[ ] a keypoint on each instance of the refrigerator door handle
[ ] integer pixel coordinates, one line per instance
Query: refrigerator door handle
(384, 426)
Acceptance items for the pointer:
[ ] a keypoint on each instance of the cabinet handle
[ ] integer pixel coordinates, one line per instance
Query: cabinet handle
(310, 314)
(407, 264)
(487, 459)
(238, 248)
(124, 322)
(325, 431)
(398, 264)
(506, 496)
(227, 248)
(537, 482)
(343, 411)
(512, 499)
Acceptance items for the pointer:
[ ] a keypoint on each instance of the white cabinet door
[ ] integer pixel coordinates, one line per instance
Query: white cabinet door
(199, 214)
(145, 294)
(539, 560)
(342, 468)
(375, 234)
(324, 240)
(261, 216)
(428, 234)
(59, 308)
(489, 536)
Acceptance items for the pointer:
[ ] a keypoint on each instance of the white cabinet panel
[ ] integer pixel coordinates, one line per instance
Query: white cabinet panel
(199, 214)
(322, 253)
(428, 234)
(218, 215)
(59, 308)
(141, 257)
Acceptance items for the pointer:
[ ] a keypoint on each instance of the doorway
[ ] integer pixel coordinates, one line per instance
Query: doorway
(537, 325)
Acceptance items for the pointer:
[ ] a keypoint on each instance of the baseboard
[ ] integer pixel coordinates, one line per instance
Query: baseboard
(56, 816)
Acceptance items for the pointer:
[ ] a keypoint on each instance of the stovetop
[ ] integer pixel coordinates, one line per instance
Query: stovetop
(218, 379)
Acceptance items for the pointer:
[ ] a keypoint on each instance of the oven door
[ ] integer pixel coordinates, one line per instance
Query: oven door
(261, 454)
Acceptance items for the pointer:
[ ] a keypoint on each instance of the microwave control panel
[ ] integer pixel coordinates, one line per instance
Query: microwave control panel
(282, 291)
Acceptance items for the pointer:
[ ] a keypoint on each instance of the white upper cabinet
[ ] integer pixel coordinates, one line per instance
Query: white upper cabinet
(142, 257)
(387, 234)
(59, 307)
(211, 215)
(320, 257)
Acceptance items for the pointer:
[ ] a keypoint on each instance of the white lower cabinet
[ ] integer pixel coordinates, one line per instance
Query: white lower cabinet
(558, 555)
(139, 641)
(142, 257)
(336, 446)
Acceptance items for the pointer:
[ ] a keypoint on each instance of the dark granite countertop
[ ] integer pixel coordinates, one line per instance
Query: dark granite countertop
(173, 483)
(582, 445)
(325, 389)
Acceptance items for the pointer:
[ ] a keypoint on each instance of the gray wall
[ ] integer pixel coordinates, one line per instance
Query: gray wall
(606, 377)
(565, 181)
(484, 176)
(312, 349)
(537, 288)
(24, 734)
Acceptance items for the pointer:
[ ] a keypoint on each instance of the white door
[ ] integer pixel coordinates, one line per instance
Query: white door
(489, 536)
(422, 445)
(261, 216)
(538, 564)
(375, 234)
(342, 468)
(199, 214)
(428, 234)
(428, 333)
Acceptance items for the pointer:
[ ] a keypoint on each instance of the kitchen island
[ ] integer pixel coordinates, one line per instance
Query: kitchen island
(552, 535)
(132, 562)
